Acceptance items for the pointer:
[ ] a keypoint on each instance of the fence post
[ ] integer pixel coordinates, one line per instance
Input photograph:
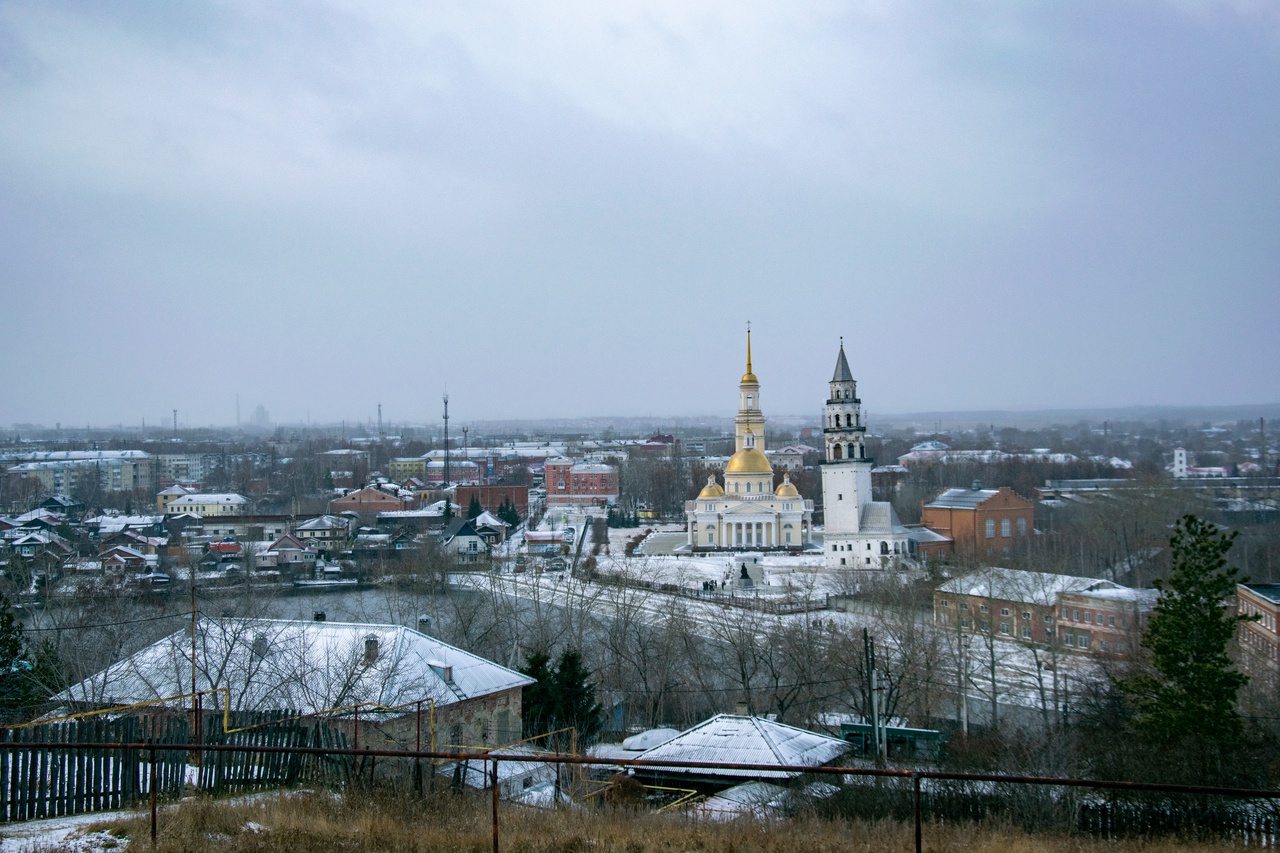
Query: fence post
(493, 780)
(153, 794)
(915, 781)
(199, 738)
(417, 747)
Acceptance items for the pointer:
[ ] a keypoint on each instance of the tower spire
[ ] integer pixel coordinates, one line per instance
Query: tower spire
(749, 346)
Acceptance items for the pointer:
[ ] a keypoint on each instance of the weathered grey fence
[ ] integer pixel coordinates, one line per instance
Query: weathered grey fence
(38, 782)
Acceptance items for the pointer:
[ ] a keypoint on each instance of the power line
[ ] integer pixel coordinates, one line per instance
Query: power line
(112, 624)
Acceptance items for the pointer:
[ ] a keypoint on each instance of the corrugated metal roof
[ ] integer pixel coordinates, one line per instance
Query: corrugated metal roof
(307, 666)
(733, 739)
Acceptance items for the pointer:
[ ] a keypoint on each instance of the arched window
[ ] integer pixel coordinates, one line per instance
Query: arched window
(748, 488)
(837, 452)
(848, 420)
(884, 547)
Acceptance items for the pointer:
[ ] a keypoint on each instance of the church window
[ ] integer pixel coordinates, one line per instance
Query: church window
(884, 547)
(848, 420)
(842, 561)
(837, 452)
(836, 548)
(735, 487)
(748, 488)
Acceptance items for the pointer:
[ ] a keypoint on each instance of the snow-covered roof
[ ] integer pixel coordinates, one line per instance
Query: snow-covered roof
(324, 522)
(757, 799)
(200, 499)
(488, 519)
(308, 666)
(1040, 588)
(962, 498)
(649, 739)
(733, 739)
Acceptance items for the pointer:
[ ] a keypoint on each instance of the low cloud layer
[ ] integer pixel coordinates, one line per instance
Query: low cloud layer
(569, 209)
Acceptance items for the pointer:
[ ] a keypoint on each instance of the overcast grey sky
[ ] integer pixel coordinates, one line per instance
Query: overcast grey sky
(563, 209)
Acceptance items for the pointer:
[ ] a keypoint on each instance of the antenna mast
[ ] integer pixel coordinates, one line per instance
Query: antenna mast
(445, 483)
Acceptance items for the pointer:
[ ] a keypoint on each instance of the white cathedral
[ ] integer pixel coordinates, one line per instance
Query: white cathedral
(748, 513)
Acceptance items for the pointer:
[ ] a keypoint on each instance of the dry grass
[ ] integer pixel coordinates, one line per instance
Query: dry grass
(355, 824)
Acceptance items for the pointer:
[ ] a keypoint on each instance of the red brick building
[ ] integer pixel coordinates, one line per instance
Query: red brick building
(492, 497)
(569, 482)
(1104, 619)
(366, 501)
(978, 520)
(1260, 639)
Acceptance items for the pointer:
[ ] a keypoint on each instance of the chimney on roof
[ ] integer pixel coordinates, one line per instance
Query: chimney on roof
(370, 649)
(424, 624)
(319, 616)
(740, 709)
(977, 485)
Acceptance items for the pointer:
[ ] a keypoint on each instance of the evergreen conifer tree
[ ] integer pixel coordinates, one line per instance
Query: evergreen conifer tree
(474, 509)
(16, 686)
(564, 697)
(1192, 687)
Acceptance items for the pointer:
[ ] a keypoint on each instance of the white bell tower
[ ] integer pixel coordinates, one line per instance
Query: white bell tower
(846, 471)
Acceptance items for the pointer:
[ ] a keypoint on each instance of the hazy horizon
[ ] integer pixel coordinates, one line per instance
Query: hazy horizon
(558, 209)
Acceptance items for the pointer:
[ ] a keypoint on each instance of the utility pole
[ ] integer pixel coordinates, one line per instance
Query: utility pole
(445, 484)
(380, 420)
(175, 423)
(873, 695)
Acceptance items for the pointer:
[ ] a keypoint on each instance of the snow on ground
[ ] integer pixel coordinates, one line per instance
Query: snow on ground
(63, 834)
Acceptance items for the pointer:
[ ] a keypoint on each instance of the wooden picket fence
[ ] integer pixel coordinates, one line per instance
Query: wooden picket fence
(230, 772)
(37, 782)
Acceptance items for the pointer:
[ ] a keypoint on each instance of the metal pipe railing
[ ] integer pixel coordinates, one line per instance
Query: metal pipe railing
(489, 756)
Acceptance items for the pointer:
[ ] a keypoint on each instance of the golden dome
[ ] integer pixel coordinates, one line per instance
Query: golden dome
(711, 490)
(748, 460)
(785, 489)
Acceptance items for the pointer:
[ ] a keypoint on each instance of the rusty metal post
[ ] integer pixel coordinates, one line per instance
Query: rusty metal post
(417, 747)
(493, 780)
(153, 795)
(915, 781)
(199, 735)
